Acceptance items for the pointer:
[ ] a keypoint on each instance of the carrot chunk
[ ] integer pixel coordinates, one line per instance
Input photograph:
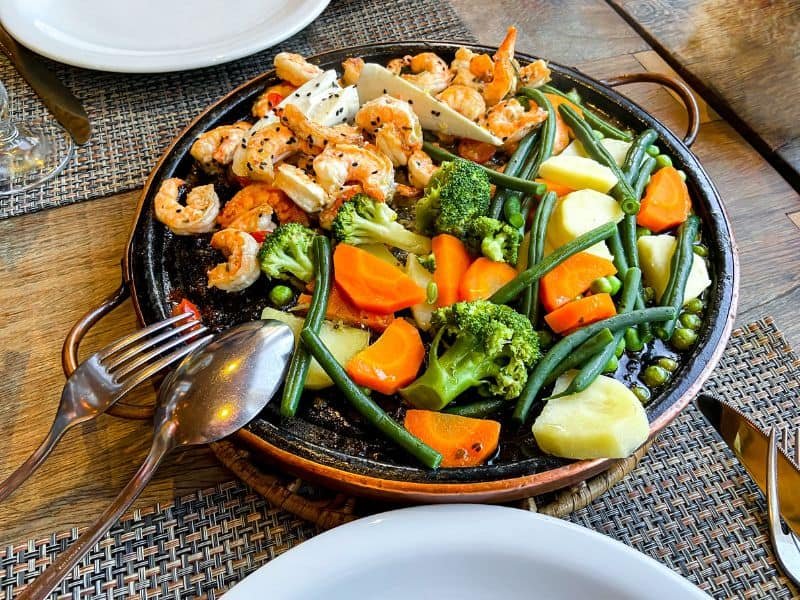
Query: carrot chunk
(483, 278)
(578, 313)
(666, 203)
(571, 278)
(462, 441)
(452, 261)
(390, 363)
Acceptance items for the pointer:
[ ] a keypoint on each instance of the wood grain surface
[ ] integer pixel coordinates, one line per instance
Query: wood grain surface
(56, 264)
(743, 56)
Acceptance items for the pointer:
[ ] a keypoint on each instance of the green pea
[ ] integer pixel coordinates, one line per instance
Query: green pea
(598, 135)
(516, 220)
(601, 285)
(683, 338)
(649, 295)
(431, 292)
(694, 306)
(691, 321)
(611, 365)
(640, 231)
(281, 295)
(682, 174)
(642, 393)
(615, 283)
(653, 150)
(700, 250)
(632, 341)
(655, 376)
(662, 160)
(620, 349)
(667, 363)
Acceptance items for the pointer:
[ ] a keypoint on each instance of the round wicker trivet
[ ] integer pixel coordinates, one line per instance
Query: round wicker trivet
(327, 509)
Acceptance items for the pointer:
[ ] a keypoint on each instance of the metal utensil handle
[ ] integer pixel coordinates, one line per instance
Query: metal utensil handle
(676, 86)
(41, 587)
(69, 352)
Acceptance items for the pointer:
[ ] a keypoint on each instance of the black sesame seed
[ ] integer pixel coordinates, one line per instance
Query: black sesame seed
(355, 164)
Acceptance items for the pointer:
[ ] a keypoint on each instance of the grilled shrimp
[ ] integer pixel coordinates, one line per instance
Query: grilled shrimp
(302, 189)
(241, 269)
(312, 136)
(252, 207)
(420, 169)
(461, 72)
(344, 163)
(509, 121)
(504, 78)
(428, 71)
(534, 74)
(266, 147)
(196, 216)
(395, 125)
(351, 70)
(465, 100)
(270, 98)
(294, 68)
(215, 148)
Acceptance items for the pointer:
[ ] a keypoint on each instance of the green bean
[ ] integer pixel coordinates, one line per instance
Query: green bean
(647, 166)
(512, 206)
(622, 191)
(620, 348)
(479, 409)
(680, 266)
(501, 179)
(301, 360)
(632, 340)
(566, 345)
(591, 117)
(615, 245)
(636, 154)
(547, 139)
(530, 303)
(574, 96)
(367, 407)
(627, 229)
(612, 365)
(601, 285)
(615, 284)
(513, 167)
(582, 353)
(516, 286)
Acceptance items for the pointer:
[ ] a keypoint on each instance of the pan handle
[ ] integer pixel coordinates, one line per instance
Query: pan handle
(676, 85)
(69, 352)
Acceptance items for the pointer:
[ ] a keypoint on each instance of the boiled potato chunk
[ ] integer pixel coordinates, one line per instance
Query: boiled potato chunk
(580, 212)
(606, 420)
(616, 148)
(343, 342)
(655, 256)
(578, 173)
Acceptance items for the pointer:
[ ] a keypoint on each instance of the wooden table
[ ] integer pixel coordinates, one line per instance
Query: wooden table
(56, 264)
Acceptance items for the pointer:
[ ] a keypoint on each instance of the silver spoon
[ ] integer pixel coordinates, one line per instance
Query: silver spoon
(213, 392)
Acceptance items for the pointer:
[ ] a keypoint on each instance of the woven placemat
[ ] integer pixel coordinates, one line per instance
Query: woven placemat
(689, 504)
(134, 117)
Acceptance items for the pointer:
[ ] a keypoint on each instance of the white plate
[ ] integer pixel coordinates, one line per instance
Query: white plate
(463, 552)
(154, 36)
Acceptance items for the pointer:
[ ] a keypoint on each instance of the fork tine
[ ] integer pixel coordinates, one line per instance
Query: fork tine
(117, 358)
(797, 446)
(146, 357)
(137, 335)
(164, 362)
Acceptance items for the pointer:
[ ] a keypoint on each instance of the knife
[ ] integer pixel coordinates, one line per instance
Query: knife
(66, 108)
(750, 445)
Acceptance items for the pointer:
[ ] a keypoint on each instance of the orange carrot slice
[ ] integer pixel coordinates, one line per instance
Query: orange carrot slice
(479, 152)
(462, 441)
(571, 278)
(390, 363)
(371, 283)
(452, 261)
(666, 203)
(483, 278)
(578, 313)
(559, 188)
(341, 309)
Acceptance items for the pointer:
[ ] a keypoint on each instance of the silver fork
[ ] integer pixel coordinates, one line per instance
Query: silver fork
(785, 542)
(109, 374)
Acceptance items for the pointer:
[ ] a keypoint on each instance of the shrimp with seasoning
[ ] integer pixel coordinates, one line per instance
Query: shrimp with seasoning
(427, 71)
(241, 269)
(465, 100)
(294, 68)
(504, 77)
(270, 98)
(215, 148)
(461, 72)
(343, 163)
(197, 215)
(420, 169)
(534, 74)
(395, 125)
(312, 136)
(510, 121)
(251, 209)
(267, 146)
(351, 70)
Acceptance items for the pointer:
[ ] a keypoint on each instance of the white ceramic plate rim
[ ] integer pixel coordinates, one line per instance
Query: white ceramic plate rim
(445, 527)
(15, 16)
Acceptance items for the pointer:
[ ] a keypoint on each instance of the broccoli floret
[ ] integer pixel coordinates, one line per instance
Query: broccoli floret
(457, 193)
(494, 239)
(491, 347)
(428, 261)
(286, 253)
(362, 220)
